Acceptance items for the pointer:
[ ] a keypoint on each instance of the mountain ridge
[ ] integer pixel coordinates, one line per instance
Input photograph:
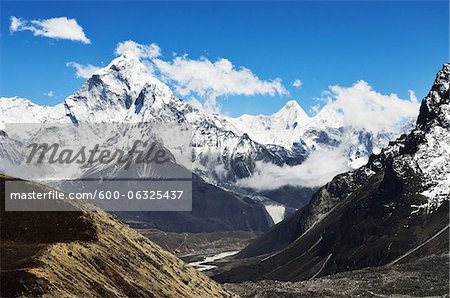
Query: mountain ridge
(88, 254)
(395, 205)
(126, 90)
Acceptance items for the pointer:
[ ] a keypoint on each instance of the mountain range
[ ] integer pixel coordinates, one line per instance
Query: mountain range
(391, 210)
(225, 151)
(394, 209)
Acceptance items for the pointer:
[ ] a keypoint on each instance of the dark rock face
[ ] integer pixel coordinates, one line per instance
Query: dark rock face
(290, 196)
(43, 227)
(213, 209)
(322, 202)
(432, 108)
(366, 217)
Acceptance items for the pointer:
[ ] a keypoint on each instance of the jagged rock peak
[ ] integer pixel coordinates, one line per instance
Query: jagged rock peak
(435, 106)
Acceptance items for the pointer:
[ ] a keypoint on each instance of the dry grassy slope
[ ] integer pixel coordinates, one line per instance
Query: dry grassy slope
(120, 263)
(110, 260)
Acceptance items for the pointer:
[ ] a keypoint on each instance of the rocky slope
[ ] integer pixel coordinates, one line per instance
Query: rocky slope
(394, 207)
(421, 278)
(213, 209)
(79, 254)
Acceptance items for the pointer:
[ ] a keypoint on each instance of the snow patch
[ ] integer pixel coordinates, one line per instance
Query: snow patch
(276, 212)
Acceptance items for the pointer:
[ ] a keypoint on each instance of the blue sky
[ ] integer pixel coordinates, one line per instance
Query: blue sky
(394, 46)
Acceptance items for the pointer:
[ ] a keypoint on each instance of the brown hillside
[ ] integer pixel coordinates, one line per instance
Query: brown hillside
(80, 254)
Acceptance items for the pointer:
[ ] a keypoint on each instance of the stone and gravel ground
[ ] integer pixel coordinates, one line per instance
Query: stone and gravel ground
(427, 277)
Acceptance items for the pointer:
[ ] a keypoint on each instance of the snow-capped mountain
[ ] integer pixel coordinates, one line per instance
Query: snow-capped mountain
(224, 149)
(280, 128)
(127, 91)
(394, 209)
(293, 129)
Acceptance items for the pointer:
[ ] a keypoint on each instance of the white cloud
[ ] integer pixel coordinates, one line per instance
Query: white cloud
(50, 93)
(297, 83)
(58, 28)
(135, 49)
(83, 71)
(203, 79)
(315, 109)
(320, 167)
(209, 80)
(362, 107)
(15, 25)
(412, 96)
(358, 107)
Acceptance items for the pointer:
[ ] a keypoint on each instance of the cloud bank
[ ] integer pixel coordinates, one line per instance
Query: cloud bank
(361, 107)
(210, 80)
(58, 28)
(358, 108)
(320, 167)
